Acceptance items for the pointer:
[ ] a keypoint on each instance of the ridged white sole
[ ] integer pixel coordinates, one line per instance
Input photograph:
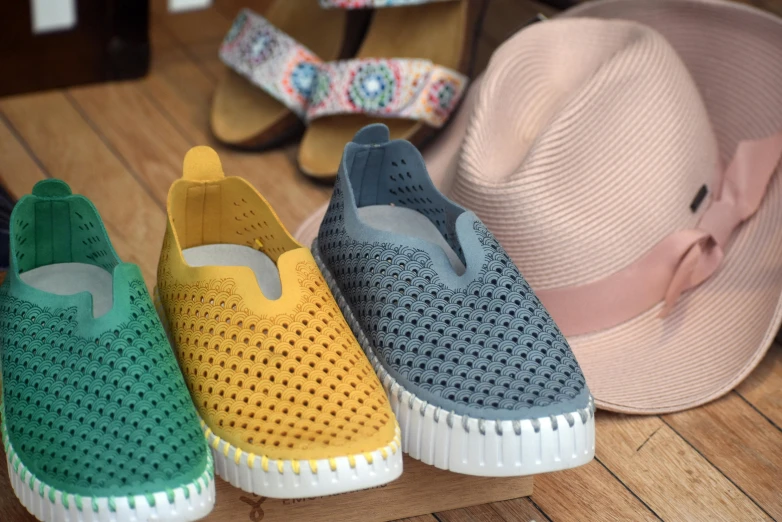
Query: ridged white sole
(476, 446)
(299, 478)
(305, 478)
(51, 505)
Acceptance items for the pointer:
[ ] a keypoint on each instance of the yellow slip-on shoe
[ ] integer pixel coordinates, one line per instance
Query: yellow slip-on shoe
(289, 402)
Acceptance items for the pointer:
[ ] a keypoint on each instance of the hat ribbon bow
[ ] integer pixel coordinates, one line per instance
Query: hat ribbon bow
(681, 261)
(743, 186)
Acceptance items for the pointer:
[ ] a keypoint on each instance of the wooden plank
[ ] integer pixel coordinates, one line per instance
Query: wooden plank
(482, 513)
(160, 40)
(136, 129)
(763, 387)
(422, 518)
(587, 493)
(183, 92)
(206, 56)
(18, 170)
(666, 473)
(71, 150)
(154, 147)
(230, 8)
(189, 27)
(520, 509)
(421, 489)
(739, 442)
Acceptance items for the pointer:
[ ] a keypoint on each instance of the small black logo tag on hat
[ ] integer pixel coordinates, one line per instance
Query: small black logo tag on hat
(699, 197)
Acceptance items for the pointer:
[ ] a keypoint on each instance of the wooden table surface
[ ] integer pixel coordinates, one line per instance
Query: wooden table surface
(122, 145)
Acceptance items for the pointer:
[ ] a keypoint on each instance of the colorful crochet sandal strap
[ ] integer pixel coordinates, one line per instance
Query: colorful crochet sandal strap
(391, 88)
(270, 59)
(371, 4)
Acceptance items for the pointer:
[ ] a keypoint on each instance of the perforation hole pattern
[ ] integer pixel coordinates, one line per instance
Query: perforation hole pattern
(89, 242)
(408, 188)
(90, 238)
(490, 345)
(280, 383)
(252, 227)
(24, 242)
(106, 415)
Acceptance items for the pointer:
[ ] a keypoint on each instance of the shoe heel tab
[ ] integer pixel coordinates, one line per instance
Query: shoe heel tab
(51, 189)
(202, 164)
(374, 134)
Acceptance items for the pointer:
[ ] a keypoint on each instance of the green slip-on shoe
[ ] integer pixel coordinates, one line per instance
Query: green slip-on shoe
(97, 422)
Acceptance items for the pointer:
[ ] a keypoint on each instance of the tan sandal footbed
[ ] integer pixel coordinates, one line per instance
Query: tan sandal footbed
(443, 32)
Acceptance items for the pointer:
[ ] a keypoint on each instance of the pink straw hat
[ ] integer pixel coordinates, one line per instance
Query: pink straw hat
(629, 168)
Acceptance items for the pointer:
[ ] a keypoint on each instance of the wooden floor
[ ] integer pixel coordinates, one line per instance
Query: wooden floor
(122, 145)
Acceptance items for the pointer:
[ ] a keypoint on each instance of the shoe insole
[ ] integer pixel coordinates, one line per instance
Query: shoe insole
(436, 31)
(73, 278)
(399, 220)
(241, 111)
(409, 222)
(239, 255)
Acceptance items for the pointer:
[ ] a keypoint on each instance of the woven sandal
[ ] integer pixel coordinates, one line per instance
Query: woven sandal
(408, 74)
(289, 401)
(261, 99)
(97, 422)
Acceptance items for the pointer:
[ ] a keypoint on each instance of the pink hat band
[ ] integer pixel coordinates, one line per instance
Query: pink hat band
(681, 261)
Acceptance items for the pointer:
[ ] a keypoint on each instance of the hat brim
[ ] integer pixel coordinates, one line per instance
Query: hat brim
(718, 332)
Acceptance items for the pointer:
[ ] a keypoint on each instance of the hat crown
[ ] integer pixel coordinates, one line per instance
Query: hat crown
(603, 118)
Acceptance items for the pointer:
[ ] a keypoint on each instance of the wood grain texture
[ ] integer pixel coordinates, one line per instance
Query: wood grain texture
(739, 442)
(69, 148)
(658, 465)
(484, 513)
(188, 27)
(588, 493)
(181, 90)
(143, 137)
(762, 388)
(421, 489)
(519, 509)
(182, 93)
(18, 169)
(230, 8)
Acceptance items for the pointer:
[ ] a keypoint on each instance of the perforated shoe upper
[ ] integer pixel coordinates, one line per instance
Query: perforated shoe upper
(282, 378)
(479, 342)
(93, 406)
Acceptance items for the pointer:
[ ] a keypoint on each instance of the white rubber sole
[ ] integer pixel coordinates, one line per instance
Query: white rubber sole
(476, 446)
(299, 478)
(305, 478)
(183, 504)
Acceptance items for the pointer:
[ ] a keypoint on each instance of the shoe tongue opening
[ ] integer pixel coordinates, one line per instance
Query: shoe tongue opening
(393, 173)
(54, 226)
